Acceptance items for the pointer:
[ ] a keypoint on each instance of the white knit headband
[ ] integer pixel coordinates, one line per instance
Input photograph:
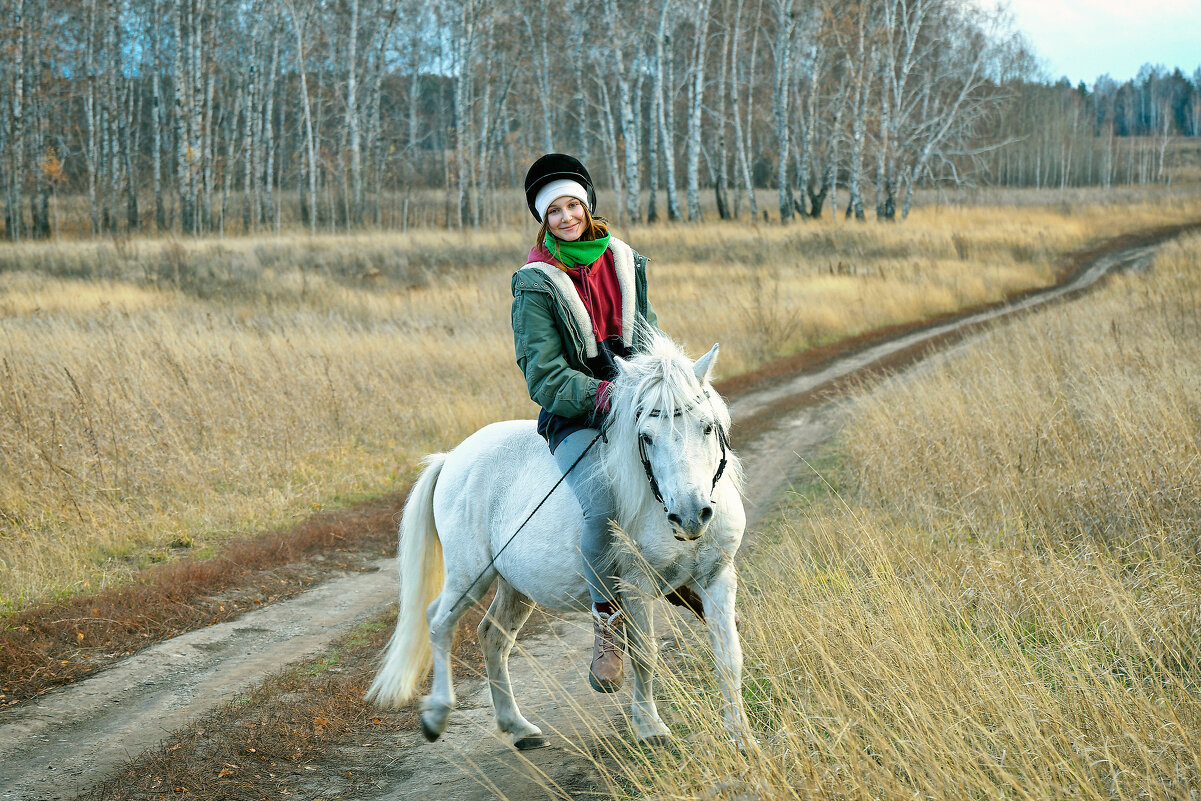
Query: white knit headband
(557, 189)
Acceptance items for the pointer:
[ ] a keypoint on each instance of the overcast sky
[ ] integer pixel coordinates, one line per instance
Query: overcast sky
(1084, 39)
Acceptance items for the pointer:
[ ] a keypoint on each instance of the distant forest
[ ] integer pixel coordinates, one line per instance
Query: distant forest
(200, 116)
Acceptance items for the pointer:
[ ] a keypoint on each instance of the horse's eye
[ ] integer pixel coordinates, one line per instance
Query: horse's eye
(646, 439)
(708, 429)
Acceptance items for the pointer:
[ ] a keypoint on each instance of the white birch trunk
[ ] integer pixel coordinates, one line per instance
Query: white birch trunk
(231, 138)
(652, 154)
(352, 119)
(183, 149)
(128, 120)
(255, 144)
(741, 139)
(785, 25)
(609, 137)
(111, 110)
(194, 107)
(629, 133)
(298, 27)
(696, 98)
(156, 117)
(249, 218)
(267, 177)
(208, 46)
(13, 213)
(464, 44)
(666, 121)
(864, 66)
(721, 178)
(90, 113)
(537, 30)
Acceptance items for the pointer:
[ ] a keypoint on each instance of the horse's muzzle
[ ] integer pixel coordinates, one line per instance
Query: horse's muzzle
(686, 530)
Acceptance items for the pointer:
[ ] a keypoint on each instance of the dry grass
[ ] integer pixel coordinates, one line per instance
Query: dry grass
(1000, 596)
(160, 395)
(1094, 425)
(128, 431)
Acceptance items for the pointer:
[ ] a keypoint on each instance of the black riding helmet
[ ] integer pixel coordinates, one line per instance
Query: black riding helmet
(552, 167)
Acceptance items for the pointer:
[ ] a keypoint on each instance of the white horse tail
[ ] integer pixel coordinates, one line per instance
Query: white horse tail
(408, 657)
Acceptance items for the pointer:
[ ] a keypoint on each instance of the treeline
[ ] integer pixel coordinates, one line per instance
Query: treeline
(1102, 135)
(232, 115)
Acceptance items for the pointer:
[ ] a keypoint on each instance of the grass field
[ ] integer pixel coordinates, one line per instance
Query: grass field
(160, 396)
(991, 588)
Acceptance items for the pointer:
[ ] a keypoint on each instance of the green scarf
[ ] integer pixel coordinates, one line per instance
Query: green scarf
(577, 253)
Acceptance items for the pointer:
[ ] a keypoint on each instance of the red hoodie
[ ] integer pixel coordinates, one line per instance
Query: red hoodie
(597, 286)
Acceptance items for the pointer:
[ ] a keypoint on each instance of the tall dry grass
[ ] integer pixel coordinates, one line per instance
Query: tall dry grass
(1094, 425)
(134, 422)
(158, 395)
(999, 595)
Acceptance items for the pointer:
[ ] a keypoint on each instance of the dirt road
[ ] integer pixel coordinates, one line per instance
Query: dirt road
(64, 742)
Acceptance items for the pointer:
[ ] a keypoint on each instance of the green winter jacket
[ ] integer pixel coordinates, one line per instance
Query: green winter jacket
(553, 335)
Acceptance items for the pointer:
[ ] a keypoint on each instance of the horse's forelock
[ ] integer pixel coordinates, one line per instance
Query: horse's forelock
(660, 379)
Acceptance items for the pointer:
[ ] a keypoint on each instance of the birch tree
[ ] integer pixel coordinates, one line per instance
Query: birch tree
(742, 131)
(786, 27)
(696, 101)
(299, 17)
(664, 104)
(624, 44)
(14, 219)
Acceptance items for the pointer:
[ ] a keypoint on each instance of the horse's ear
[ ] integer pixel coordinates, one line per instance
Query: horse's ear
(703, 367)
(622, 364)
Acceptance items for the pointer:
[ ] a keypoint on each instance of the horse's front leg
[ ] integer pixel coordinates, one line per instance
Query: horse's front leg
(649, 728)
(718, 599)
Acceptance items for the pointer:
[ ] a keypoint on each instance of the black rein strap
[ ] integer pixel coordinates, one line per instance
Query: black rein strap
(492, 561)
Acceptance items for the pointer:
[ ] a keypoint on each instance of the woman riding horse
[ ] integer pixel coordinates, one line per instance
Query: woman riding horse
(587, 342)
(579, 302)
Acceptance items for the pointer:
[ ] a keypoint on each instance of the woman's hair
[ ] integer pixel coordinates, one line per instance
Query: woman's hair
(594, 228)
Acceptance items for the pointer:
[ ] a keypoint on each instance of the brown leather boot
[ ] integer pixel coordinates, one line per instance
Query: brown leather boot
(608, 650)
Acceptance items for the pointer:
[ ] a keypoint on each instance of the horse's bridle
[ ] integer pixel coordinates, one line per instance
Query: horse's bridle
(723, 439)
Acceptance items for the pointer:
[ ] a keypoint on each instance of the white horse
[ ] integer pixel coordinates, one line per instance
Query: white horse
(665, 439)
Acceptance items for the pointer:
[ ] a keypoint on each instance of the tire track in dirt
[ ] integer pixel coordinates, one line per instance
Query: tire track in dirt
(62, 743)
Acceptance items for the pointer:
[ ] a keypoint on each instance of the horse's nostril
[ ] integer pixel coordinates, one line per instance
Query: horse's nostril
(706, 515)
(675, 520)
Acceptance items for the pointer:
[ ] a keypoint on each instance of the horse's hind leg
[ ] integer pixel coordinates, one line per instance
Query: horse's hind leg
(443, 617)
(497, 632)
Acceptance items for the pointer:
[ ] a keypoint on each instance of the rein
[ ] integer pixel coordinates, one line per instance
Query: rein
(492, 561)
(722, 438)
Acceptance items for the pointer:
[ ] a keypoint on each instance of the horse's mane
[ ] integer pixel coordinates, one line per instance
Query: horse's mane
(659, 378)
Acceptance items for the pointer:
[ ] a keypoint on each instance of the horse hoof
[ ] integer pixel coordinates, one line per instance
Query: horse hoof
(531, 742)
(429, 731)
(656, 741)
